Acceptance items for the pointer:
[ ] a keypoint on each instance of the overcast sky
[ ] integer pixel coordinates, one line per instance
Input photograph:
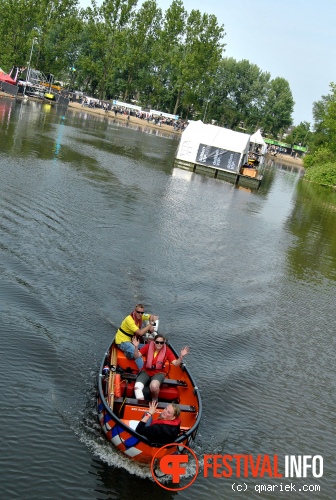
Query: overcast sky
(293, 39)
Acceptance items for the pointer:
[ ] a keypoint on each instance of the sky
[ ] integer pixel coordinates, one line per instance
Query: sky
(292, 39)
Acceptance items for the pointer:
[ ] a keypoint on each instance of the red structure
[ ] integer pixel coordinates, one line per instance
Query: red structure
(4, 77)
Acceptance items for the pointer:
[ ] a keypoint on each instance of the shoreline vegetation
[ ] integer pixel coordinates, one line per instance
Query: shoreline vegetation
(118, 51)
(172, 60)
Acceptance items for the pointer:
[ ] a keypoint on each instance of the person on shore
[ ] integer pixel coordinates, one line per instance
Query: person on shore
(153, 372)
(165, 429)
(130, 327)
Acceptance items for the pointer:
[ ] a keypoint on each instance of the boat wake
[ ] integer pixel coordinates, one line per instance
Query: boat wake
(89, 432)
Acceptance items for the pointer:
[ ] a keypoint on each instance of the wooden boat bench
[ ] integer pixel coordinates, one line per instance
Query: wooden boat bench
(145, 404)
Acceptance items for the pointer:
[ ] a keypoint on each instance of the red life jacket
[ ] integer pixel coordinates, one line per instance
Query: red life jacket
(176, 422)
(159, 362)
(137, 321)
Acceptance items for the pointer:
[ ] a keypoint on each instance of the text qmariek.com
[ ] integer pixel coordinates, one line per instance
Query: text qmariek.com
(275, 488)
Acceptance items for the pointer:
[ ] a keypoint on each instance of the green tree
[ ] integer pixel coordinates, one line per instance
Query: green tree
(278, 107)
(60, 50)
(173, 63)
(52, 22)
(320, 164)
(17, 22)
(300, 135)
(102, 44)
(202, 54)
(330, 119)
(185, 72)
(138, 56)
(324, 117)
(167, 62)
(240, 92)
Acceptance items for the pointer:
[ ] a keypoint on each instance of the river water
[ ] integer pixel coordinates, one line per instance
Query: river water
(93, 219)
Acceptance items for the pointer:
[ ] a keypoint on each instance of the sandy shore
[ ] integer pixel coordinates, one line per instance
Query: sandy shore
(133, 121)
(288, 160)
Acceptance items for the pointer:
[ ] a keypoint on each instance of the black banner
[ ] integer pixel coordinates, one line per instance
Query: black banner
(9, 88)
(218, 158)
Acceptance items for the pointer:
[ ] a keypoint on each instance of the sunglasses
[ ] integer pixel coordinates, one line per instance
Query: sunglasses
(159, 342)
(139, 312)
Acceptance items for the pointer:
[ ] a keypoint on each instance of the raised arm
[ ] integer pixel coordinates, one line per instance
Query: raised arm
(148, 328)
(136, 343)
(184, 351)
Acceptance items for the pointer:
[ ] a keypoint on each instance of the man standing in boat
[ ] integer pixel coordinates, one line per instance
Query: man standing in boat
(153, 373)
(131, 326)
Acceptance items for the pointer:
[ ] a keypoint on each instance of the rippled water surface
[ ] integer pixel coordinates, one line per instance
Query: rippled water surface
(94, 218)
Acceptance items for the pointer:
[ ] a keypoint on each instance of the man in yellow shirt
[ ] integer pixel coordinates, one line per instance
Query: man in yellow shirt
(132, 325)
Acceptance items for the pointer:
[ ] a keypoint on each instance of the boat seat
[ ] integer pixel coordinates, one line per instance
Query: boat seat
(167, 381)
(145, 404)
(167, 393)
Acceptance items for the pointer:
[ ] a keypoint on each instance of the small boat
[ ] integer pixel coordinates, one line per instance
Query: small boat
(49, 96)
(119, 411)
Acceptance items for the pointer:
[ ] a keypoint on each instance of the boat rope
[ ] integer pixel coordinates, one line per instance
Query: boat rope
(122, 406)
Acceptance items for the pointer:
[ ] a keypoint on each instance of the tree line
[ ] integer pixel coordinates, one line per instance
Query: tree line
(320, 163)
(173, 60)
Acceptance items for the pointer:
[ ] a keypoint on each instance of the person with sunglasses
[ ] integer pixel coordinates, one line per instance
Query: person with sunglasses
(153, 372)
(131, 326)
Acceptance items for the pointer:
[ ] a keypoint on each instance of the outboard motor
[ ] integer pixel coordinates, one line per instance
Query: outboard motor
(156, 326)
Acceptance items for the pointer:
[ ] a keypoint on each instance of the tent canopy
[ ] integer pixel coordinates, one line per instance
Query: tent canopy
(6, 78)
(161, 113)
(126, 105)
(257, 138)
(216, 147)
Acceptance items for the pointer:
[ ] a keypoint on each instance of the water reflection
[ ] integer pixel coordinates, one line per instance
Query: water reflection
(279, 165)
(111, 222)
(313, 222)
(100, 118)
(58, 143)
(125, 486)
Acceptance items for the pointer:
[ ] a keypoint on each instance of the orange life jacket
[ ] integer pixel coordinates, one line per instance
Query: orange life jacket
(159, 362)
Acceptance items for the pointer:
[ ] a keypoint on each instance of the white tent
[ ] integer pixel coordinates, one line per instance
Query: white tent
(257, 138)
(126, 105)
(213, 146)
(166, 115)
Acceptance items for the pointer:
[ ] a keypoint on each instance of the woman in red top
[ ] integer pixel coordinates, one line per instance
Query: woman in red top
(157, 353)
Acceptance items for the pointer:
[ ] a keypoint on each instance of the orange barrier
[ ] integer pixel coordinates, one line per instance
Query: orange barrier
(117, 385)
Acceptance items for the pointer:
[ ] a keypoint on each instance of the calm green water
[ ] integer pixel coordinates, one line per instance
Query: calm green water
(94, 218)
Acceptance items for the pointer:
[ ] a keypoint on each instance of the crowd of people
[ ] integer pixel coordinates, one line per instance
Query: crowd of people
(275, 150)
(108, 106)
(151, 359)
